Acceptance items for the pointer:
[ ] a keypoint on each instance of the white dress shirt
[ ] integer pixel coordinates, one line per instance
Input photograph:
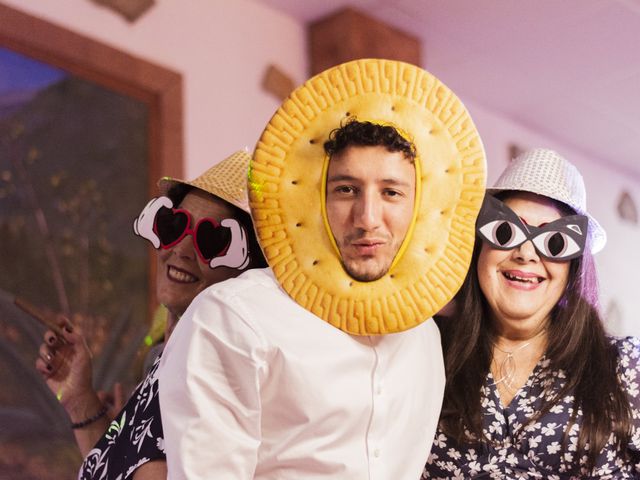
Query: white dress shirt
(252, 385)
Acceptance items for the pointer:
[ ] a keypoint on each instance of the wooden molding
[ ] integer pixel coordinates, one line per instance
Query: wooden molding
(129, 9)
(278, 83)
(349, 34)
(627, 209)
(514, 150)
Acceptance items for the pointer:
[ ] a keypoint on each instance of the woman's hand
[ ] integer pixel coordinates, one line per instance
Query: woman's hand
(65, 364)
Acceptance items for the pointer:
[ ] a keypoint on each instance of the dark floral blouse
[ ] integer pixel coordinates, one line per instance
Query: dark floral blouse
(522, 450)
(134, 438)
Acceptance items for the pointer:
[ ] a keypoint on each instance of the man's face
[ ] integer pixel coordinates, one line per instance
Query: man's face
(370, 201)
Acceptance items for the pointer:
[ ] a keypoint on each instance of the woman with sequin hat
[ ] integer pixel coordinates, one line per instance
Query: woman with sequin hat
(535, 388)
(203, 233)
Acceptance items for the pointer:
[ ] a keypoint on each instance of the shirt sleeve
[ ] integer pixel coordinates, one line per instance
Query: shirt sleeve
(629, 373)
(209, 383)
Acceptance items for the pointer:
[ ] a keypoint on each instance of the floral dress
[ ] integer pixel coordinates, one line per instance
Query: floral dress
(134, 438)
(519, 449)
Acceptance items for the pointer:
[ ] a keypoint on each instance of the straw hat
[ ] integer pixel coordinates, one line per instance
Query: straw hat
(226, 180)
(544, 172)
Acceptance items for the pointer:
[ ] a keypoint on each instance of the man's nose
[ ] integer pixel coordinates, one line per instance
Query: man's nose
(367, 212)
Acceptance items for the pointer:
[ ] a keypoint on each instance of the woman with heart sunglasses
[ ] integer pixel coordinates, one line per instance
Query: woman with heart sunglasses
(203, 234)
(535, 388)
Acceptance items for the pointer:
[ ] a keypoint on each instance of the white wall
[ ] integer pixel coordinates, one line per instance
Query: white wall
(222, 48)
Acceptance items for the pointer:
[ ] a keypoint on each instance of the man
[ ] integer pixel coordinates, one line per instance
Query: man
(281, 373)
(371, 185)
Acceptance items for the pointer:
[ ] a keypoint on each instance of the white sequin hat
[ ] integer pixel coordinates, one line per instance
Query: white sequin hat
(544, 172)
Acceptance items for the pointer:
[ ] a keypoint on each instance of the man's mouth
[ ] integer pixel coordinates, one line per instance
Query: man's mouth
(180, 276)
(367, 247)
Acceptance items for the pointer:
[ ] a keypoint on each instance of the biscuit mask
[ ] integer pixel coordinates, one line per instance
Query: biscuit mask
(286, 182)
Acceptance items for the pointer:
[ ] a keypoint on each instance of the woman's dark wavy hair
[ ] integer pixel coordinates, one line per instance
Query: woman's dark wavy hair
(178, 191)
(577, 344)
(368, 134)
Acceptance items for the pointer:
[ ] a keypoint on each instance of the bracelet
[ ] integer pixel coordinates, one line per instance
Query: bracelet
(90, 420)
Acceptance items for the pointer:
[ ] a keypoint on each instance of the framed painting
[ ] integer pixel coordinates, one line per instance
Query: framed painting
(85, 132)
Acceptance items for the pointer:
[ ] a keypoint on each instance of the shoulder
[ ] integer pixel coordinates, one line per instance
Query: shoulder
(238, 294)
(626, 346)
(226, 306)
(220, 319)
(250, 305)
(628, 371)
(251, 284)
(255, 294)
(628, 352)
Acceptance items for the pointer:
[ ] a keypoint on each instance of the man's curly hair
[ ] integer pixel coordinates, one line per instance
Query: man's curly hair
(368, 134)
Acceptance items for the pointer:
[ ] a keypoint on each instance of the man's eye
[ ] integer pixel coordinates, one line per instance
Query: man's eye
(393, 193)
(344, 189)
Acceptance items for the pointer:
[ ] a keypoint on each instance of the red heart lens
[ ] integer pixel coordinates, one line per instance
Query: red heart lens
(170, 226)
(212, 239)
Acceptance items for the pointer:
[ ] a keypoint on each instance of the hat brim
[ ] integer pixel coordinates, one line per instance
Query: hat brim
(165, 184)
(226, 180)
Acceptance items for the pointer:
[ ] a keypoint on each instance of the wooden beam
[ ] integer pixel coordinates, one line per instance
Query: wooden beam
(349, 34)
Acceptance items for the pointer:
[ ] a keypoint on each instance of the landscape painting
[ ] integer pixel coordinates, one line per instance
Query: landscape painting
(73, 176)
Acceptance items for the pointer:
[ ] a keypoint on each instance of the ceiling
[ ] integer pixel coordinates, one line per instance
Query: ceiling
(568, 69)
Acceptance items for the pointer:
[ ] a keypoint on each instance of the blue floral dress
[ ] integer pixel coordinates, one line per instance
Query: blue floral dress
(519, 449)
(134, 438)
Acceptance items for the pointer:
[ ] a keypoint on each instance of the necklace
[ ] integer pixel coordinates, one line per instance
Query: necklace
(507, 368)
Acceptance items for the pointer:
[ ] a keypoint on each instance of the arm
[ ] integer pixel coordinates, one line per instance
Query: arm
(153, 470)
(65, 364)
(210, 377)
(439, 464)
(629, 375)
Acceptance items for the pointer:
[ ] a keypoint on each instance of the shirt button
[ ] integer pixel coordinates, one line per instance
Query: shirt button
(378, 390)
(376, 453)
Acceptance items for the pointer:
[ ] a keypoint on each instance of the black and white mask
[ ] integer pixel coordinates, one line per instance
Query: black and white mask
(560, 240)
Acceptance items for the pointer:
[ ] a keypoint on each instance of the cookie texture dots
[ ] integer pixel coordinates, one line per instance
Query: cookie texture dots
(285, 195)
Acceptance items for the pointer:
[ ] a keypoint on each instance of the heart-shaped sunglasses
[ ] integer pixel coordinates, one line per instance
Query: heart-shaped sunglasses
(210, 239)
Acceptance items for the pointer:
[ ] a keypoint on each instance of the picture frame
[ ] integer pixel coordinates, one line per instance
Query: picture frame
(81, 157)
